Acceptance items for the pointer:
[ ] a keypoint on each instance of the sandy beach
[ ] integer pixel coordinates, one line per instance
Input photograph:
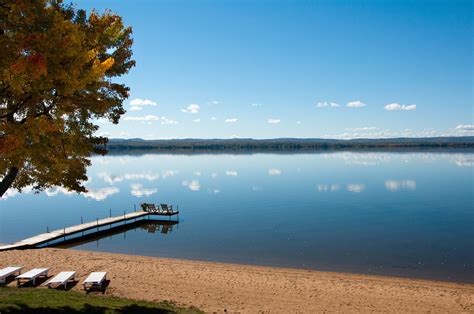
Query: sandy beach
(218, 287)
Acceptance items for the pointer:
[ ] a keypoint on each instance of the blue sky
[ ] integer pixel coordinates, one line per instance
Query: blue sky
(266, 69)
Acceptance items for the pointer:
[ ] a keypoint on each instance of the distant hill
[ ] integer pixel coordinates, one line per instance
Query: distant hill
(286, 144)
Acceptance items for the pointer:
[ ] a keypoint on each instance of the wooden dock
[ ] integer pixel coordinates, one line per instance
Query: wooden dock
(63, 233)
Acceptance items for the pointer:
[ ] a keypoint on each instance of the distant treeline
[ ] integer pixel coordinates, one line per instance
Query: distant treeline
(285, 144)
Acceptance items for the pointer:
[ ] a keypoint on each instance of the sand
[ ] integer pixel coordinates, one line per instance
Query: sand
(218, 287)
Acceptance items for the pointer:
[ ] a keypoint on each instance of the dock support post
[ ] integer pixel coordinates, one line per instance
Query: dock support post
(82, 220)
(97, 224)
(134, 207)
(47, 229)
(110, 212)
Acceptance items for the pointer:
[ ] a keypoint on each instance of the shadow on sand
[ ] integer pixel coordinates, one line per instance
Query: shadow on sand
(22, 308)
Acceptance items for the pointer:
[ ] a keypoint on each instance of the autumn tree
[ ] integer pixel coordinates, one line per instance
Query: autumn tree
(57, 66)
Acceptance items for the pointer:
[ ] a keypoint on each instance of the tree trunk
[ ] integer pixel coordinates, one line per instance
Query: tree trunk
(8, 180)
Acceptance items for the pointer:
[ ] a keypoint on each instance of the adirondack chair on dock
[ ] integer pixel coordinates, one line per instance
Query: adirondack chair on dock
(165, 208)
(148, 207)
(152, 208)
(162, 209)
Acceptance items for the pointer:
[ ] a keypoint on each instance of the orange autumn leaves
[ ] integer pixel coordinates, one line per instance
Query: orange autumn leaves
(34, 65)
(56, 76)
(57, 57)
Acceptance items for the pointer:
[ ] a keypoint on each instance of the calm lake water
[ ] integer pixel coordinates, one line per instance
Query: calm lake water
(403, 214)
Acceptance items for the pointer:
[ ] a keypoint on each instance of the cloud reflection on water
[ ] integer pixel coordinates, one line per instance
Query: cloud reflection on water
(138, 190)
(193, 185)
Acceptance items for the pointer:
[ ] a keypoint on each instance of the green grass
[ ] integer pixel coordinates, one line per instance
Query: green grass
(35, 300)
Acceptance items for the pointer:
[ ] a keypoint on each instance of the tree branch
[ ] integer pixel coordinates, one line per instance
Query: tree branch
(7, 180)
(15, 110)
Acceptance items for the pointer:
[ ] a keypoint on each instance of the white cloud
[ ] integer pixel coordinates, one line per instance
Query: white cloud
(168, 173)
(124, 134)
(466, 127)
(256, 105)
(298, 122)
(197, 120)
(327, 187)
(141, 176)
(230, 120)
(394, 185)
(273, 121)
(193, 108)
(355, 188)
(409, 184)
(387, 133)
(101, 194)
(397, 106)
(365, 159)
(139, 191)
(52, 191)
(346, 135)
(356, 104)
(142, 102)
(231, 173)
(322, 187)
(213, 118)
(193, 185)
(274, 172)
(165, 120)
(464, 162)
(105, 134)
(135, 108)
(149, 117)
(56, 190)
(14, 192)
(324, 104)
(125, 160)
(112, 179)
(103, 121)
(366, 128)
(197, 173)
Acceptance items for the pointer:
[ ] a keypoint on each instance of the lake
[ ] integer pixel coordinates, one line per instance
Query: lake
(408, 214)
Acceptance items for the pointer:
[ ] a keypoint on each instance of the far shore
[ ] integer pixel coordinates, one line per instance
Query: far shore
(219, 287)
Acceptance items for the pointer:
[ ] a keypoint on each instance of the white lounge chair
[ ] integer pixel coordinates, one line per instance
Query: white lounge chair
(95, 280)
(31, 275)
(9, 271)
(61, 279)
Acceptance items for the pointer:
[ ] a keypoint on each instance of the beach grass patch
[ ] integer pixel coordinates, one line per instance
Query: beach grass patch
(34, 300)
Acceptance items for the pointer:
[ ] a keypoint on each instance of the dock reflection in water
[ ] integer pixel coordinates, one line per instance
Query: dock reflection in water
(161, 227)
